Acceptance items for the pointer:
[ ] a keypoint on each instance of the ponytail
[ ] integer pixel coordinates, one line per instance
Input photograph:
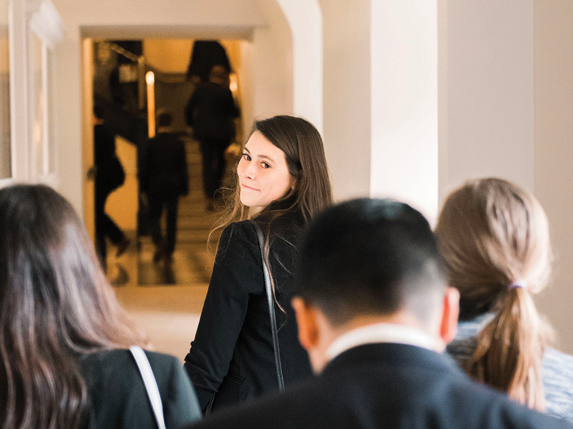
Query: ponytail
(510, 350)
(492, 234)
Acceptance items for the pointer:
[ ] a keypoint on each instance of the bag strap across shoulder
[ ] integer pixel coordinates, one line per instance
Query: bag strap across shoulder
(270, 302)
(150, 384)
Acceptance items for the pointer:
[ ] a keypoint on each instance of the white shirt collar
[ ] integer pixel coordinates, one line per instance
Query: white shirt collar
(381, 333)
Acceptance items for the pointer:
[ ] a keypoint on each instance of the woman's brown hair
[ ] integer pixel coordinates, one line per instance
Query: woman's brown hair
(494, 237)
(306, 160)
(55, 307)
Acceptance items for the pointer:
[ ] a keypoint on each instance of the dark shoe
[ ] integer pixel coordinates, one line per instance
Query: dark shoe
(122, 247)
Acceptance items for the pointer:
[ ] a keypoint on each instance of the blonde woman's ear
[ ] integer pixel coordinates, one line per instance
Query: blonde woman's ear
(450, 314)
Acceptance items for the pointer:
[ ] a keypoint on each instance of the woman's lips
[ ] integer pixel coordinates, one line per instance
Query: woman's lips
(248, 187)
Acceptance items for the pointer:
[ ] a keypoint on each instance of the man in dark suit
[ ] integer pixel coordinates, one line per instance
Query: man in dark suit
(211, 112)
(374, 314)
(163, 179)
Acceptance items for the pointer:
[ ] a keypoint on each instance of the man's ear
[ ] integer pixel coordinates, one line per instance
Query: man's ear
(451, 311)
(307, 327)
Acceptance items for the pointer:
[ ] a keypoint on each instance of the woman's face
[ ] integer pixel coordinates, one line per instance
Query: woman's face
(263, 173)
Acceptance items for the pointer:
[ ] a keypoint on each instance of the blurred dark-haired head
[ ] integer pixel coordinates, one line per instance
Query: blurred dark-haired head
(164, 119)
(371, 257)
(99, 112)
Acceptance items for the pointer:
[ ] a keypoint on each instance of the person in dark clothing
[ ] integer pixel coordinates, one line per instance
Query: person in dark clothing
(64, 349)
(374, 313)
(205, 55)
(283, 182)
(211, 112)
(164, 179)
(109, 175)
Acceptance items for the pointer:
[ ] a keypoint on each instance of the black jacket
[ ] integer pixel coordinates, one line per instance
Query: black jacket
(118, 398)
(211, 111)
(109, 171)
(389, 386)
(164, 166)
(232, 353)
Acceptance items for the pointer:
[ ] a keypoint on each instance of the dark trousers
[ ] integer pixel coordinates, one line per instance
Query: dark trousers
(213, 154)
(156, 204)
(105, 226)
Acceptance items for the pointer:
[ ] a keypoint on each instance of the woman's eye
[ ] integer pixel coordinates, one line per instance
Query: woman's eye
(265, 165)
(246, 157)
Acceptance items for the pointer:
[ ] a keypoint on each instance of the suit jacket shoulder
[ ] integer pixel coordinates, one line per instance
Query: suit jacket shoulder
(117, 394)
(387, 386)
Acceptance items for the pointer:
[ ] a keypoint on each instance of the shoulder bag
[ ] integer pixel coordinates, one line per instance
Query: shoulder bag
(150, 384)
(270, 302)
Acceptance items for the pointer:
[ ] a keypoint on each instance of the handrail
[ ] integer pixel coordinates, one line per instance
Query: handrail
(122, 51)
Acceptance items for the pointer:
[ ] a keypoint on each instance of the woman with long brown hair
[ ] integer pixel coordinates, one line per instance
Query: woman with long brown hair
(63, 357)
(281, 183)
(494, 237)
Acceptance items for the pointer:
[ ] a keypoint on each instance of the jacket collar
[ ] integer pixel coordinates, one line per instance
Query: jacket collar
(387, 355)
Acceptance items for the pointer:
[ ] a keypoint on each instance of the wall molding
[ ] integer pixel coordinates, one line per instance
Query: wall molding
(45, 21)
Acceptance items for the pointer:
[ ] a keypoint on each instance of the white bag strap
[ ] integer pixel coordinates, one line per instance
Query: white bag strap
(150, 384)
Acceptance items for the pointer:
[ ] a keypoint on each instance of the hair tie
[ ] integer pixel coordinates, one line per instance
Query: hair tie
(520, 284)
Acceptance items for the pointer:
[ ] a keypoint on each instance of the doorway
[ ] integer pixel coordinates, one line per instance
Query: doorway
(155, 292)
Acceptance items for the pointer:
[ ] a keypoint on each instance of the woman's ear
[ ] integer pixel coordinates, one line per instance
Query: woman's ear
(451, 311)
(292, 182)
(308, 333)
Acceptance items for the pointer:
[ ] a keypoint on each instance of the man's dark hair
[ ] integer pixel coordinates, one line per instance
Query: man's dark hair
(99, 112)
(371, 257)
(164, 119)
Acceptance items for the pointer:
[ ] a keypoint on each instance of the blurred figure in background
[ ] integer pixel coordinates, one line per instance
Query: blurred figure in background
(211, 112)
(163, 179)
(109, 175)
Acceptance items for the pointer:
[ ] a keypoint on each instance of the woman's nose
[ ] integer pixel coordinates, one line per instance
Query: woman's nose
(247, 169)
(250, 173)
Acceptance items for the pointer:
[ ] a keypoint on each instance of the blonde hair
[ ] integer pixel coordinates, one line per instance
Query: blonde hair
(494, 237)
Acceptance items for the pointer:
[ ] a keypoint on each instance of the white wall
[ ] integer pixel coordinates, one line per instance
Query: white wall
(505, 85)
(305, 21)
(346, 80)
(19, 94)
(486, 100)
(553, 54)
(268, 62)
(168, 55)
(111, 13)
(404, 91)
